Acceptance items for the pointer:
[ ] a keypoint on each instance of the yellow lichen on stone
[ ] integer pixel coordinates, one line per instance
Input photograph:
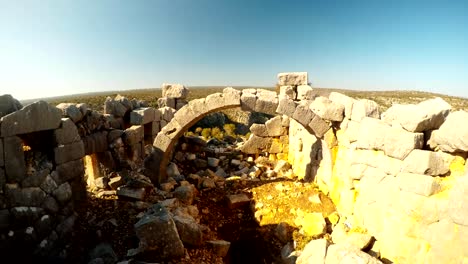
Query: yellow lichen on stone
(457, 167)
(282, 156)
(313, 224)
(334, 218)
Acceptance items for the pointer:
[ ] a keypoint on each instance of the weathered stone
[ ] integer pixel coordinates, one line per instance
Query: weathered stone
(344, 100)
(180, 103)
(167, 102)
(292, 78)
(259, 130)
(458, 202)
(248, 101)
(267, 102)
(303, 114)
(427, 162)
(313, 224)
(304, 92)
(68, 171)
(208, 183)
(172, 170)
(37, 116)
(167, 113)
(286, 106)
(213, 162)
(174, 90)
(65, 228)
(114, 107)
(116, 182)
(8, 105)
(129, 192)
(33, 196)
(288, 91)
(35, 179)
(4, 219)
(220, 247)
(189, 231)
(364, 108)
(345, 253)
(319, 126)
(237, 200)
(15, 166)
(186, 193)
(96, 142)
(142, 116)
(283, 232)
(452, 135)
(71, 111)
(63, 193)
(256, 144)
(50, 205)
(105, 252)
(69, 152)
(273, 126)
(327, 109)
(427, 115)
(152, 128)
(134, 134)
(67, 133)
(314, 252)
(417, 183)
(157, 231)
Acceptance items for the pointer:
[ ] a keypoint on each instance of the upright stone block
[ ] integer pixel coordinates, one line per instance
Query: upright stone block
(67, 133)
(286, 106)
(15, 166)
(288, 91)
(134, 134)
(267, 102)
(152, 128)
(303, 114)
(71, 111)
(142, 116)
(248, 101)
(304, 92)
(174, 90)
(167, 102)
(292, 78)
(69, 152)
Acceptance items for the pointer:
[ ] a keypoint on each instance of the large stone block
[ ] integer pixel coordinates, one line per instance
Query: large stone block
(286, 106)
(68, 171)
(114, 107)
(372, 134)
(344, 100)
(427, 162)
(327, 109)
(256, 144)
(292, 78)
(1, 153)
(399, 142)
(248, 101)
(142, 116)
(174, 90)
(303, 114)
(167, 113)
(417, 183)
(69, 152)
(167, 102)
(96, 142)
(452, 135)
(231, 96)
(134, 134)
(67, 133)
(305, 92)
(259, 130)
(314, 252)
(152, 128)
(267, 102)
(364, 108)
(274, 127)
(37, 116)
(458, 202)
(71, 111)
(33, 196)
(345, 253)
(427, 115)
(288, 91)
(319, 126)
(162, 142)
(15, 166)
(8, 105)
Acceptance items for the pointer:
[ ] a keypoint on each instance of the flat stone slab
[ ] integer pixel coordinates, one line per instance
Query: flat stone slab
(292, 78)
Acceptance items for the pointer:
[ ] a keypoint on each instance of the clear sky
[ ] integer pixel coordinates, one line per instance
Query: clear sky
(50, 48)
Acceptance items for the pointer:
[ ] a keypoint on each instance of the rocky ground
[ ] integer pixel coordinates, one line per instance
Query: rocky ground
(235, 199)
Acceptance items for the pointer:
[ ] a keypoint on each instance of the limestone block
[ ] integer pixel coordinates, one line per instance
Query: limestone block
(15, 166)
(248, 101)
(452, 135)
(152, 128)
(314, 252)
(71, 111)
(162, 142)
(372, 133)
(267, 102)
(167, 102)
(167, 113)
(327, 109)
(215, 101)
(346, 253)
(344, 100)
(1, 153)
(458, 202)
(231, 96)
(189, 231)
(8, 105)
(285, 120)
(33, 196)
(180, 103)
(174, 90)
(313, 224)
(172, 129)
(134, 134)
(427, 162)
(273, 126)
(303, 114)
(417, 183)
(288, 91)
(427, 115)
(305, 92)
(142, 116)
(286, 106)
(67, 133)
(68, 171)
(292, 78)
(96, 142)
(276, 147)
(157, 115)
(352, 131)
(256, 144)
(69, 152)
(259, 130)
(114, 107)
(37, 116)
(378, 159)
(399, 142)
(63, 193)
(237, 200)
(319, 126)
(364, 108)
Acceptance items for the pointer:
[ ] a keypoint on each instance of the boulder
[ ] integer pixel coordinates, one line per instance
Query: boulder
(452, 136)
(8, 105)
(35, 117)
(174, 91)
(314, 252)
(292, 78)
(427, 115)
(157, 233)
(364, 108)
(71, 111)
(327, 109)
(427, 162)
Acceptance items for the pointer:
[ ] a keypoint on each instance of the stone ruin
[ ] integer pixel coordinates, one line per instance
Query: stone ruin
(399, 177)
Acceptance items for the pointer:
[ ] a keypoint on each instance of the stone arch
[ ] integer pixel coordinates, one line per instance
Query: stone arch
(254, 100)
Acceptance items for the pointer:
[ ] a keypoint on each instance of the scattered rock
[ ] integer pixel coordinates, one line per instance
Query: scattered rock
(237, 200)
(220, 247)
(134, 193)
(186, 193)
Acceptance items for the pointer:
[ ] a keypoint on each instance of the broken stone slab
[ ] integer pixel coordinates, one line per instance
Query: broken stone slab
(427, 115)
(142, 116)
(344, 100)
(67, 133)
(305, 92)
(288, 91)
(314, 252)
(452, 136)
(220, 247)
(35, 117)
(134, 193)
(15, 166)
(69, 152)
(327, 109)
(364, 108)
(267, 102)
(274, 127)
(189, 231)
(237, 200)
(427, 162)
(292, 78)
(417, 183)
(134, 134)
(71, 111)
(345, 253)
(8, 105)
(286, 106)
(157, 232)
(178, 91)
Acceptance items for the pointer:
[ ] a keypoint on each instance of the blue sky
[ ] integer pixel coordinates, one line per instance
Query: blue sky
(50, 48)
